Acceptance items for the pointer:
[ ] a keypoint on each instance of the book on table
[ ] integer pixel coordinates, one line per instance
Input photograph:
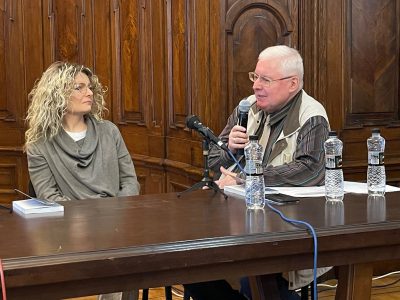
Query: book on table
(36, 206)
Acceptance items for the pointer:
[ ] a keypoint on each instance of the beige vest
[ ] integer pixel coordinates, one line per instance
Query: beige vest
(284, 148)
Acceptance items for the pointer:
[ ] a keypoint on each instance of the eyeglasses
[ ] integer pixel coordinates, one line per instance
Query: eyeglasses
(264, 80)
(82, 88)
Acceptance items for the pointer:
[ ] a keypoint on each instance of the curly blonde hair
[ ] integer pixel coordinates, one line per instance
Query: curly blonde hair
(49, 99)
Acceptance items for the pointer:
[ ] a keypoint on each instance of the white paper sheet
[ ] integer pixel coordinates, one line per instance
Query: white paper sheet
(310, 191)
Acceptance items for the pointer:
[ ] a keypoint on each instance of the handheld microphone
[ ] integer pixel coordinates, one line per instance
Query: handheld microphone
(244, 107)
(193, 122)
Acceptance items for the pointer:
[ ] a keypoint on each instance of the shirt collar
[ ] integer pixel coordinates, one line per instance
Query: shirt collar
(277, 116)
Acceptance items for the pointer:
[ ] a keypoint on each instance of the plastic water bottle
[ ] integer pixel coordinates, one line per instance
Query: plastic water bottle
(376, 177)
(254, 187)
(334, 185)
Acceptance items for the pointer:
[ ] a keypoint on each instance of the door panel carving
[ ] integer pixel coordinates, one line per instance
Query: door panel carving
(373, 63)
(251, 26)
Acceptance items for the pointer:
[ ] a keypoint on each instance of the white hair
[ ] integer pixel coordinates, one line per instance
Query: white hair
(290, 60)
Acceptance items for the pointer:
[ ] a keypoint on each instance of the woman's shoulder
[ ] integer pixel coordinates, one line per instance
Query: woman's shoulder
(106, 125)
(37, 147)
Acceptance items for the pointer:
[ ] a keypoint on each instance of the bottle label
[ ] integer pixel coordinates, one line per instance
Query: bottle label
(254, 167)
(333, 162)
(375, 158)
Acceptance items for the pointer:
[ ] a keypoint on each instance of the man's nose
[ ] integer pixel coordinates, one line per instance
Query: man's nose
(256, 85)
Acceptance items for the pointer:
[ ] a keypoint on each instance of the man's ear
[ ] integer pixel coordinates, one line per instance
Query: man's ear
(294, 84)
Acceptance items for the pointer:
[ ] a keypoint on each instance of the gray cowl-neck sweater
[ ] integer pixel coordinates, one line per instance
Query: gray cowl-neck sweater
(97, 166)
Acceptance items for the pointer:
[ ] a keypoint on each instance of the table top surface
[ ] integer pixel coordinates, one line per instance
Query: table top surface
(198, 217)
(114, 244)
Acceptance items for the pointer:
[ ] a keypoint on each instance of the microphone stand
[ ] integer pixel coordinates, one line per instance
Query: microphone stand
(207, 180)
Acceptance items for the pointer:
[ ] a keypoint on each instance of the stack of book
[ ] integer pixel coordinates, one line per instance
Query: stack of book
(36, 207)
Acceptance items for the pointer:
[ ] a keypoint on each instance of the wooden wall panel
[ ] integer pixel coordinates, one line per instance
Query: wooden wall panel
(331, 60)
(373, 69)
(11, 51)
(179, 76)
(156, 50)
(164, 60)
(33, 57)
(180, 67)
(130, 29)
(251, 26)
(4, 46)
(362, 79)
(139, 71)
(12, 175)
(68, 33)
(152, 180)
(67, 30)
(189, 92)
(98, 53)
(374, 64)
(312, 46)
(13, 89)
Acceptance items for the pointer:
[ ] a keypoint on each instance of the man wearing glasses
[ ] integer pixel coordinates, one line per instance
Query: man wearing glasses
(291, 125)
(292, 128)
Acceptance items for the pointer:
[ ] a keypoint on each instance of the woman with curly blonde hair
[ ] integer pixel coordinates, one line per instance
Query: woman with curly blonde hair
(72, 152)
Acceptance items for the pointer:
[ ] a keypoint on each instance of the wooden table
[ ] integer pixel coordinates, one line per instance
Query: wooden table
(114, 244)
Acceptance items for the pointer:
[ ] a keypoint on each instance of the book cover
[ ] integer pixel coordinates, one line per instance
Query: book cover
(55, 214)
(33, 206)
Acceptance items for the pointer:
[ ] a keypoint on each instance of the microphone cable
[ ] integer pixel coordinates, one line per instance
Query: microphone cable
(314, 236)
(295, 223)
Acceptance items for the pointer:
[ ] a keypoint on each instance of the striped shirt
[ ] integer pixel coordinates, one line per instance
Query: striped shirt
(308, 165)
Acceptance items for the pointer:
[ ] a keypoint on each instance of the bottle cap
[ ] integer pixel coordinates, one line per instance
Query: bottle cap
(376, 130)
(332, 133)
(253, 138)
